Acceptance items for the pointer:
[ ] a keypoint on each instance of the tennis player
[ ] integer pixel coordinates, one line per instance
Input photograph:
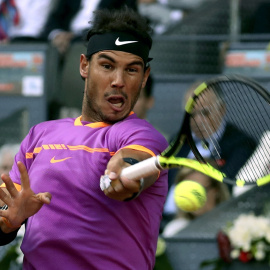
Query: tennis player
(54, 185)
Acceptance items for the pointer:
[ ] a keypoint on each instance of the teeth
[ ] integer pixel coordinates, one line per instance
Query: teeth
(118, 105)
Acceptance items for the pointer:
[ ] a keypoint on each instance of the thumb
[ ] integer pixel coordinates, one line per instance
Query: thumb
(44, 197)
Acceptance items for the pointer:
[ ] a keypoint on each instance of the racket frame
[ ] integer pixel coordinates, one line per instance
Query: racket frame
(167, 160)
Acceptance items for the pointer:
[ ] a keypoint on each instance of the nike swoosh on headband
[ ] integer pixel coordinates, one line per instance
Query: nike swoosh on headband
(120, 43)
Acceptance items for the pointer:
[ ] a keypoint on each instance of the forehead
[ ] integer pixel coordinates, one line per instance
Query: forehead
(207, 98)
(119, 57)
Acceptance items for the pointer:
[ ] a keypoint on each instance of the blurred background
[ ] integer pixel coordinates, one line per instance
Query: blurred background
(193, 40)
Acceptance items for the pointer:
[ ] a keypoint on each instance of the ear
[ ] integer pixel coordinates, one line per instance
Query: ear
(145, 76)
(84, 66)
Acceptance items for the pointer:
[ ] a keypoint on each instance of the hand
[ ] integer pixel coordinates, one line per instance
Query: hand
(62, 41)
(120, 189)
(21, 204)
(124, 188)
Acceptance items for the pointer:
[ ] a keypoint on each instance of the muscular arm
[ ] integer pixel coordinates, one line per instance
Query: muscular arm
(121, 189)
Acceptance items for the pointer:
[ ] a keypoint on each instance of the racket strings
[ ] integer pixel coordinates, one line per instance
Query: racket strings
(245, 97)
(243, 90)
(238, 104)
(255, 111)
(238, 112)
(257, 166)
(206, 121)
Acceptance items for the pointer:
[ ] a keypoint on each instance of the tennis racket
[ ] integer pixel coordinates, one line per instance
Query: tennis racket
(230, 102)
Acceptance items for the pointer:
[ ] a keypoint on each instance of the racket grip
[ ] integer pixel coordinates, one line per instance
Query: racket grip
(135, 172)
(142, 169)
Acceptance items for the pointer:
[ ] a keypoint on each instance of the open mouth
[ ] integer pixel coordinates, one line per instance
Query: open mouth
(116, 101)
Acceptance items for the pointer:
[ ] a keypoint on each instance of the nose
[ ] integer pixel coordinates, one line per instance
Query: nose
(118, 79)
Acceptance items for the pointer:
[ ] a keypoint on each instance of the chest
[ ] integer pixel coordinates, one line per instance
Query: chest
(68, 160)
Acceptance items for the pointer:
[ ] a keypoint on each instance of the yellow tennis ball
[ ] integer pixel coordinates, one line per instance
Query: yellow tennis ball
(189, 195)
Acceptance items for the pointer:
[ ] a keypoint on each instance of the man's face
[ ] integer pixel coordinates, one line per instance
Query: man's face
(207, 116)
(113, 80)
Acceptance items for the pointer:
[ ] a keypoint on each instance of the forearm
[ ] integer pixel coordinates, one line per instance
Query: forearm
(139, 156)
(5, 225)
(7, 234)
(120, 187)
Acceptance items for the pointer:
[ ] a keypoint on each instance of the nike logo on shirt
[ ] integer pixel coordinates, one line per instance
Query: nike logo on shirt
(53, 160)
(120, 43)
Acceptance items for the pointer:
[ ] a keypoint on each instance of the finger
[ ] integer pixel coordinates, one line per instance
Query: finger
(113, 176)
(117, 189)
(24, 176)
(118, 186)
(130, 184)
(10, 185)
(4, 213)
(44, 197)
(5, 197)
(116, 183)
(109, 190)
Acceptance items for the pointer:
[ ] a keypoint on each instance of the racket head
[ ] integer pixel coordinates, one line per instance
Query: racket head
(226, 118)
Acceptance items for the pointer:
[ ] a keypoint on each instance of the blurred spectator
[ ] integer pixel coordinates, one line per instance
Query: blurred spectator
(160, 16)
(262, 19)
(232, 142)
(24, 19)
(8, 16)
(7, 154)
(69, 19)
(186, 5)
(146, 100)
(117, 4)
(216, 193)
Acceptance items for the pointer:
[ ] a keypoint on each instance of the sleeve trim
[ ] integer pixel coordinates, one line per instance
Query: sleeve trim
(139, 148)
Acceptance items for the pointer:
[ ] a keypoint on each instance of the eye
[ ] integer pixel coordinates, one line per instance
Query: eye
(132, 70)
(205, 112)
(106, 66)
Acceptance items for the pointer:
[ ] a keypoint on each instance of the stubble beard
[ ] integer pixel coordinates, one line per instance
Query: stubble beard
(92, 111)
(95, 113)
